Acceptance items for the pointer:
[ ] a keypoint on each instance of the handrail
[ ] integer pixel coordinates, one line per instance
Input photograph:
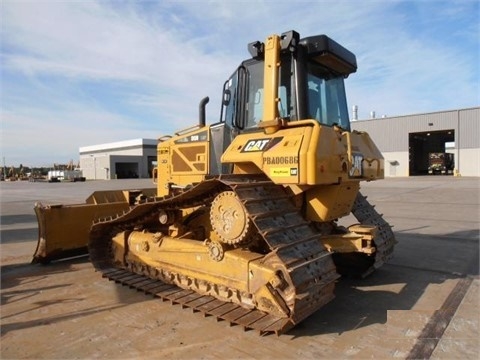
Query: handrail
(184, 131)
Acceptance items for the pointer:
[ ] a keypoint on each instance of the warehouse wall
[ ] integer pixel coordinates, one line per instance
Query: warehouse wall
(95, 167)
(391, 135)
(123, 159)
(469, 162)
(396, 163)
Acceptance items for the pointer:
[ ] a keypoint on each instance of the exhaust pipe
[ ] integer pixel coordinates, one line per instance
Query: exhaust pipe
(202, 113)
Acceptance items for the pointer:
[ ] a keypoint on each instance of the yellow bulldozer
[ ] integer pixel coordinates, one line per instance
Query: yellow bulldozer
(243, 223)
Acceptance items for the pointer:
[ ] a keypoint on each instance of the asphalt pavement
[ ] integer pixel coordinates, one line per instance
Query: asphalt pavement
(423, 303)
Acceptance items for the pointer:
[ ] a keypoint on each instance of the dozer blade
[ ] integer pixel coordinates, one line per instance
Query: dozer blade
(63, 230)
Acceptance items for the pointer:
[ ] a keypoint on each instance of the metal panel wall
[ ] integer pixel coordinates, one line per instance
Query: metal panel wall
(391, 134)
(387, 133)
(469, 132)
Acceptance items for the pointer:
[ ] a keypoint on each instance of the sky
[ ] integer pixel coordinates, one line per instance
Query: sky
(81, 73)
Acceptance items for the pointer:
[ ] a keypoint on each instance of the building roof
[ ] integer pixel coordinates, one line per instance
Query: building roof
(118, 145)
(384, 117)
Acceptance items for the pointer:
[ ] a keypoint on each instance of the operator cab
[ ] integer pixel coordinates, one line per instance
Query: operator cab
(310, 84)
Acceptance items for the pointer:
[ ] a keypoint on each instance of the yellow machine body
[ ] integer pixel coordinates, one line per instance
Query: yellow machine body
(63, 230)
(243, 222)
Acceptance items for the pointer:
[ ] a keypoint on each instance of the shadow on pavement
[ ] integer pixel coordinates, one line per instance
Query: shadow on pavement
(358, 304)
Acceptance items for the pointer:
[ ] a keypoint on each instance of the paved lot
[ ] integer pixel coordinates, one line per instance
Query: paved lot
(425, 301)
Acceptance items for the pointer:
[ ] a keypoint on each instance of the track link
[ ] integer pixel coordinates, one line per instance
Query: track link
(295, 243)
(248, 319)
(295, 249)
(384, 240)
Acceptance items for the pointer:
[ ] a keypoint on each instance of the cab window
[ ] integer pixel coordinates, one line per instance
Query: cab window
(326, 99)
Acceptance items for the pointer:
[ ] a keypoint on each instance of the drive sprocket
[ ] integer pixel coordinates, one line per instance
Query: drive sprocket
(229, 219)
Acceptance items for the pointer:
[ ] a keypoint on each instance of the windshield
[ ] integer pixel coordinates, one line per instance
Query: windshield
(254, 108)
(244, 95)
(327, 102)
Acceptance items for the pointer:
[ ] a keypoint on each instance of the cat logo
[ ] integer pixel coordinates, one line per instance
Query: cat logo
(256, 145)
(356, 169)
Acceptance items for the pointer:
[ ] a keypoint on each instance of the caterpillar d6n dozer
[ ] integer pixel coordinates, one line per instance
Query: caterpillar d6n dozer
(244, 222)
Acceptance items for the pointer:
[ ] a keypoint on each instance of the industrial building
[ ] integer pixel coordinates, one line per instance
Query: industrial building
(119, 160)
(405, 142)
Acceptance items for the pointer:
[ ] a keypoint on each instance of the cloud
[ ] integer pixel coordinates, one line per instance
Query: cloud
(411, 72)
(91, 72)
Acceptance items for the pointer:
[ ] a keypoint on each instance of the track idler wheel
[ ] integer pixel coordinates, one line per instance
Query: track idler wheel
(230, 220)
(215, 250)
